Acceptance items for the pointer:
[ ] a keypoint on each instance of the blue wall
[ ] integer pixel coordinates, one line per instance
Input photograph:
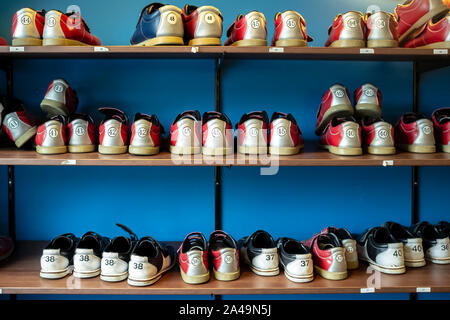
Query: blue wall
(168, 203)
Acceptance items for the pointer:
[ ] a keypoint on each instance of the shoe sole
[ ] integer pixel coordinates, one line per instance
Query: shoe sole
(150, 281)
(198, 279)
(382, 44)
(55, 275)
(249, 43)
(348, 44)
(86, 274)
(352, 265)
(342, 151)
(226, 276)
(51, 150)
(252, 150)
(410, 32)
(417, 149)
(112, 149)
(340, 110)
(388, 270)
(285, 151)
(216, 151)
(367, 109)
(291, 43)
(415, 263)
(82, 148)
(160, 41)
(298, 279)
(381, 150)
(63, 42)
(54, 108)
(437, 45)
(331, 275)
(30, 133)
(445, 147)
(267, 272)
(205, 42)
(143, 151)
(114, 278)
(439, 260)
(184, 150)
(27, 42)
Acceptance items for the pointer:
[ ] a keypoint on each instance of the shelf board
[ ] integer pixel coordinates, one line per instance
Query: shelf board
(163, 52)
(20, 275)
(311, 157)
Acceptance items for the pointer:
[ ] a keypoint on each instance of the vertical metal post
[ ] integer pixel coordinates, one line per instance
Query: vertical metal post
(415, 169)
(11, 204)
(217, 169)
(9, 79)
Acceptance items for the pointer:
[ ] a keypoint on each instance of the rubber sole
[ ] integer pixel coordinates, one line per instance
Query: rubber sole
(342, 151)
(331, 275)
(143, 151)
(445, 147)
(367, 109)
(216, 151)
(340, 110)
(267, 272)
(417, 148)
(161, 41)
(252, 150)
(150, 281)
(226, 276)
(298, 279)
(54, 108)
(381, 150)
(202, 278)
(205, 42)
(112, 149)
(437, 45)
(62, 42)
(55, 275)
(185, 150)
(410, 32)
(285, 151)
(114, 278)
(352, 265)
(249, 43)
(291, 43)
(86, 274)
(30, 133)
(348, 44)
(415, 263)
(382, 44)
(27, 42)
(51, 150)
(388, 270)
(439, 260)
(82, 148)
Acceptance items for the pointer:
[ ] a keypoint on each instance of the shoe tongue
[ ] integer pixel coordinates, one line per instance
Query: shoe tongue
(153, 7)
(188, 9)
(59, 118)
(197, 248)
(276, 16)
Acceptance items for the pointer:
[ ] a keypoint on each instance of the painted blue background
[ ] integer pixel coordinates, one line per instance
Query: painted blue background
(168, 203)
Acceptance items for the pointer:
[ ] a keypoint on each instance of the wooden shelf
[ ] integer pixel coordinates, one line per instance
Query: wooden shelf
(310, 157)
(20, 275)
(317, 53)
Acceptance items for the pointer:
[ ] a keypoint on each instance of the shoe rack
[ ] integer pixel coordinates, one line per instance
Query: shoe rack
(20, 274)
